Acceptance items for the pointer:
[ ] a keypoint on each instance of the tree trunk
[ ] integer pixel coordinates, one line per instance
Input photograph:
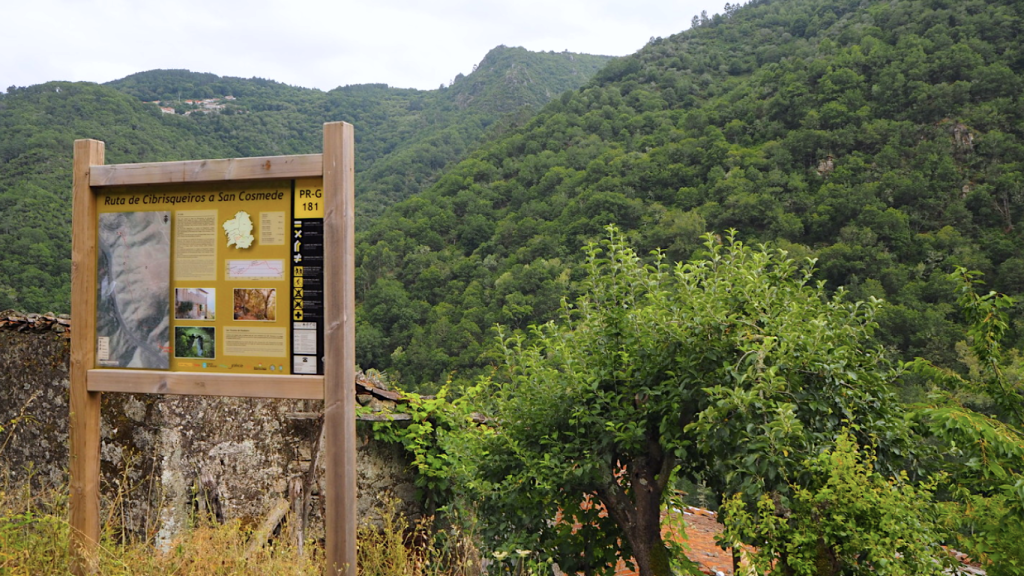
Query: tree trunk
(645, 536)
(649, 552)
(639, 514)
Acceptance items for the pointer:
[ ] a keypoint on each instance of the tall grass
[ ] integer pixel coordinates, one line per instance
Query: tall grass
(396, 548)
(34, 541)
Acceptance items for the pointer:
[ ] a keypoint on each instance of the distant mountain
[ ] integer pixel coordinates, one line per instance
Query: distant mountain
(508, 78)
(403, 139)
(884, 138)
(403, 136)
(38, 125)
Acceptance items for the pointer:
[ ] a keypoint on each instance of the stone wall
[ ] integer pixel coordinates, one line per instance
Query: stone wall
(164, 458)
(33, 403)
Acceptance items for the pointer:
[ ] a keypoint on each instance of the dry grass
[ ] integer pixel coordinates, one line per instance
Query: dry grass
(397, 549)
(34, 540)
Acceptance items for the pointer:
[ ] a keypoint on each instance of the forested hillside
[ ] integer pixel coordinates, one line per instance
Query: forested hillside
(404, 138)
(418, 131)
(38, 125)
(881, 137)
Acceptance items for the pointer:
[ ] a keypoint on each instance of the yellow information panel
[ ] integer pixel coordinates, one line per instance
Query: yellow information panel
(309, 198)
(202, 277)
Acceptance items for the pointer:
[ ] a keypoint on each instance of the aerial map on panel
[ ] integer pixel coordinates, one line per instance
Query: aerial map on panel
(239, 230)
(133, 304)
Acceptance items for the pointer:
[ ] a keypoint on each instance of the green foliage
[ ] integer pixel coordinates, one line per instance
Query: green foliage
(404, 139)
(987, 326)
(848, 519)
(733, 369)
(39, 125)
(427, 440)
(986, 482)
(977, 419)
(883, 138)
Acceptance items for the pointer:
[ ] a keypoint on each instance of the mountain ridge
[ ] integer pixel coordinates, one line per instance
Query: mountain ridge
(409, 135)
(881, 138)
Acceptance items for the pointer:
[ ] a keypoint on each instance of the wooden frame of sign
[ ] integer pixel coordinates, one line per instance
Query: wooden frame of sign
(336, 387)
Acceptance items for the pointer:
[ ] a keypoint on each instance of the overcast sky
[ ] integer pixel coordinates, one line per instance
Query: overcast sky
(315, 43)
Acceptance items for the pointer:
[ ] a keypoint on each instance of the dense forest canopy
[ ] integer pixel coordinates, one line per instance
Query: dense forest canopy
(404, 139)
(877, 145)
(882, 138)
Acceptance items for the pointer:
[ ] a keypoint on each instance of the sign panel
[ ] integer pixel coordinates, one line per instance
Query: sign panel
(224, 277)
(215, 269)
(307, 290)
(134, 279)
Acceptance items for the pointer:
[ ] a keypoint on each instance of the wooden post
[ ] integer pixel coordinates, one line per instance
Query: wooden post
(339, 348)
(84, 406)
(336, 165)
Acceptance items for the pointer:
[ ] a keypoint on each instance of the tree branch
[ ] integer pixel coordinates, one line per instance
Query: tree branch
(667, 465)
(615, 500)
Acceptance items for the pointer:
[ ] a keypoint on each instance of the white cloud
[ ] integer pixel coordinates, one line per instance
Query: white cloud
(315, 43)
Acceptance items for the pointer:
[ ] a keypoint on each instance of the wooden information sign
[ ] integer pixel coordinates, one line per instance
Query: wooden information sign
(215, 277)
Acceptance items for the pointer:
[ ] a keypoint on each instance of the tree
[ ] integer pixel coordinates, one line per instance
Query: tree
(732, 369)
(977, 420)
(850, 520)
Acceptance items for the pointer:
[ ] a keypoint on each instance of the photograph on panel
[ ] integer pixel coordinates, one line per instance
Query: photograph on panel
(195, 304)
(259, 304)
(195, 342)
